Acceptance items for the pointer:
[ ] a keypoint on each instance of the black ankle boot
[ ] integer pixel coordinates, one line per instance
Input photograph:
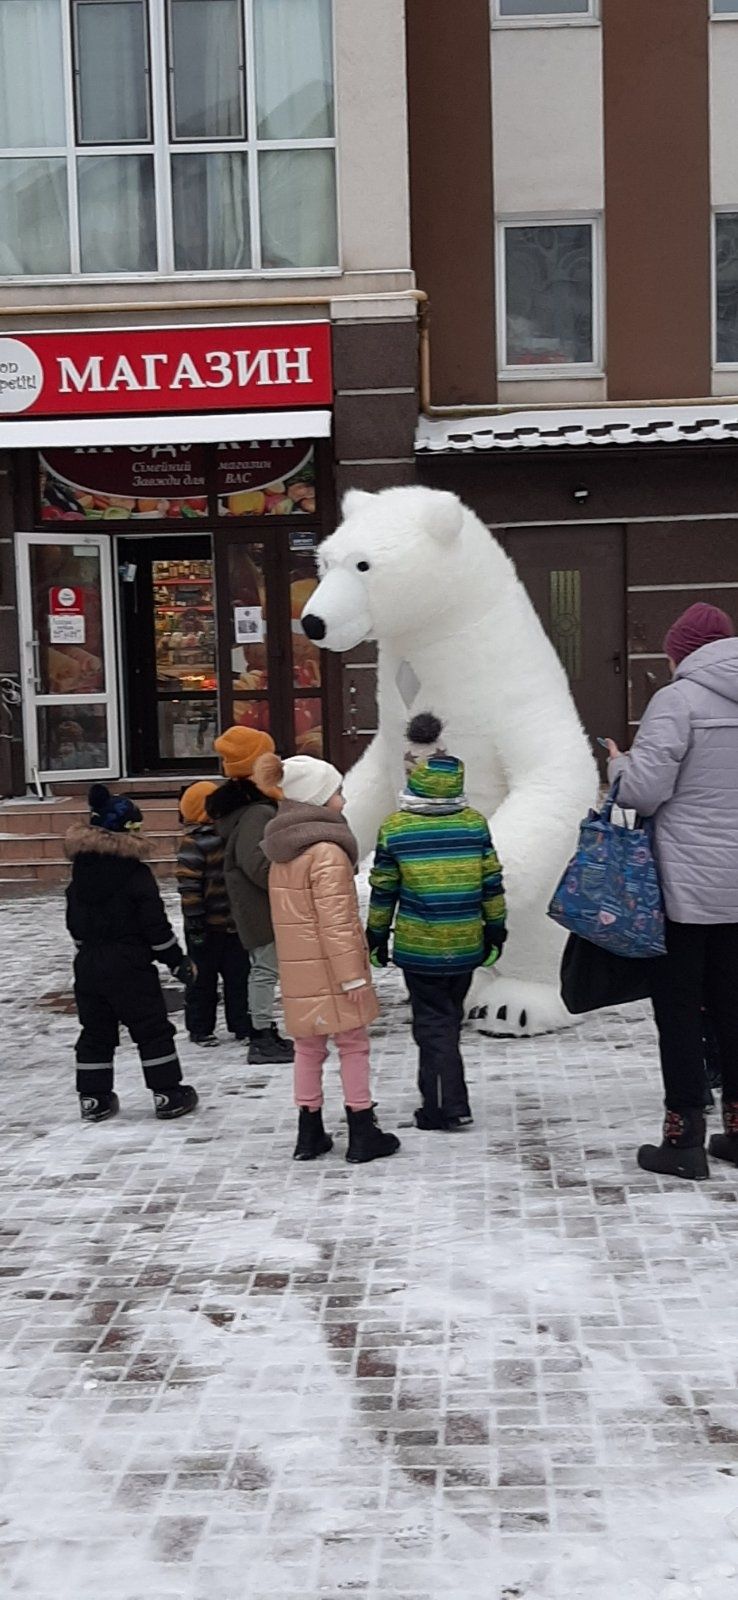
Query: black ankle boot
(366, 1140)
(268, 1048)
(312, 1139)
(175, 1102)
(681, 1153)
(99, 1107)
(724, 1146)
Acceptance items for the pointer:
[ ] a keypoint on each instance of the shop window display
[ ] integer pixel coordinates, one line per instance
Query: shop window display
(186, 675)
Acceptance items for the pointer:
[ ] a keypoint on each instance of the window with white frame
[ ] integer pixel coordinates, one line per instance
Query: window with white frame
(725, 8)
(726, 287)
(549, 311)
(530, 9)
(143, 136)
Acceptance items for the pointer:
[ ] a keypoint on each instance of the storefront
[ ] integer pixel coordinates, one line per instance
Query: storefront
(170, 488)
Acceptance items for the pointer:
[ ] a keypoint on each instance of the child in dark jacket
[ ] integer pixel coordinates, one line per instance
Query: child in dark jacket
(210, 931)
(435, 865)
(117, 920)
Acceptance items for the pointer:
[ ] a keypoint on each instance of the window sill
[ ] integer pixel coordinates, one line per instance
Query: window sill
(263, 275)
(516, 23)
(552, 374)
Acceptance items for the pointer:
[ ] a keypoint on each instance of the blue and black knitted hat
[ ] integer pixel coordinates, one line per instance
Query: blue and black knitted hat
(113, 812)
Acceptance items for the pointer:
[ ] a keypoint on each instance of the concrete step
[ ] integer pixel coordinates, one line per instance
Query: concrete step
(50, 847)
(45, 817)
(19, 877)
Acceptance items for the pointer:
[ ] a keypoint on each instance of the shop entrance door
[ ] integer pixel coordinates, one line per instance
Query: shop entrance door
(576, 580)
(169, 636)
(65, 606)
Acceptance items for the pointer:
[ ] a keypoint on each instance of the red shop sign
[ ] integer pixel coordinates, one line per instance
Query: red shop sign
(254, 367)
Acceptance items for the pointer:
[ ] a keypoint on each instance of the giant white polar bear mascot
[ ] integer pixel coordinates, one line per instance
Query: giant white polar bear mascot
(417, 571)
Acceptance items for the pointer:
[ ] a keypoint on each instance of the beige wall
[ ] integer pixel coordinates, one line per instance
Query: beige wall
(374, 228)
(547, 119)
(372, 134)
(723, 113)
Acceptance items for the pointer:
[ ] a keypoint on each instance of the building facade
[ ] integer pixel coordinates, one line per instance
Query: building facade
(207, 330)
(574, 208)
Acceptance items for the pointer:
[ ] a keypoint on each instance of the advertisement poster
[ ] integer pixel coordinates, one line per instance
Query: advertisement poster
(169, 483)
(121, 483)
(268, 480)
(66, 616)
(248, 624)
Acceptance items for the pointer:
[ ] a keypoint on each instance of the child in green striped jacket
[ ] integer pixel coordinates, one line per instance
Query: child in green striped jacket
(436, 867)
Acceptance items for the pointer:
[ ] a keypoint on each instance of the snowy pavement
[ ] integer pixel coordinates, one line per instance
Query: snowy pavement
(501, 1366)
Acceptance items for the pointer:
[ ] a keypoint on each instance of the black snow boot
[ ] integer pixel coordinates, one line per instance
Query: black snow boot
(267, 1047)
(98, 1107)
(431, 1120)
(312, 1139)
(366, 1139)
(724, 1146)
(682, 1151)
(175, 1102)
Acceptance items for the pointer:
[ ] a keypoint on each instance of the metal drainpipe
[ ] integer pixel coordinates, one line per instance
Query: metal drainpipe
(448, 413)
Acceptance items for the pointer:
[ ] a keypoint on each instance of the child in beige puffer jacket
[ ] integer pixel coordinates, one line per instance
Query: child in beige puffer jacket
(323, 959)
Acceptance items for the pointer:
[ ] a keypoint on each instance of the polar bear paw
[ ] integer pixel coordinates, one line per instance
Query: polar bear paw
(512, 1008)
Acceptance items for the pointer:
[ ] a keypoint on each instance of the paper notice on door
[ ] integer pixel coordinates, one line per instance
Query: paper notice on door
(68, 629)
(248, 624)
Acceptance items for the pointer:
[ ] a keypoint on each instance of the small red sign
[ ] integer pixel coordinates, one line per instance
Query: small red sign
(257, 366)
(66, 602)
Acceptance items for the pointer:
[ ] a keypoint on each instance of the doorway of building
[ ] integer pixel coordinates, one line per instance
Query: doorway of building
(67, 637)
(576, 580)
(167, 590)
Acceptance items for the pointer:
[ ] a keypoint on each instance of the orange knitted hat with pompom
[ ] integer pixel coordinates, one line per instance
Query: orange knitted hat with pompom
(239, 748)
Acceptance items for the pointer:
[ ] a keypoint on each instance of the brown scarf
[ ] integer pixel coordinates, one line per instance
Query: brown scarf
(298, 826)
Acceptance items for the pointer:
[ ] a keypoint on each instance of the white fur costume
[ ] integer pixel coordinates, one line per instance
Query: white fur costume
(417, 571)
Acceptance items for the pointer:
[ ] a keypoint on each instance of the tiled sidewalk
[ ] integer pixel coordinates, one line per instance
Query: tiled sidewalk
(501, 1366)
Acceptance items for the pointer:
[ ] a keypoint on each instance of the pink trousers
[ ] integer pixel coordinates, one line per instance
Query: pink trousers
(353, 1051)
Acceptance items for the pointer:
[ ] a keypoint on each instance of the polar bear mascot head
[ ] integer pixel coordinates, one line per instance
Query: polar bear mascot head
(418, 571)
(391, 546)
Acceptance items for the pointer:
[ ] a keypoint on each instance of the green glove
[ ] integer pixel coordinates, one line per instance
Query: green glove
(493, 957)
(379, 958)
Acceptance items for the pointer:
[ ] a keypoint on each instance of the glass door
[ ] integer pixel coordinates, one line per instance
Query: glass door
(169, 614)
(65, 602)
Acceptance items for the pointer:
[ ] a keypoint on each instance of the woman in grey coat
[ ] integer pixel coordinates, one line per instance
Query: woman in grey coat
(683, 772)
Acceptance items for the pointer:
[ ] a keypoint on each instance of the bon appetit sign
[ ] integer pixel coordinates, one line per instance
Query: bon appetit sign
(129, 371)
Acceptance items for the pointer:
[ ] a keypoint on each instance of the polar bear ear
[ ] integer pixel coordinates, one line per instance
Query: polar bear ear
(354, 500)
(443, 516)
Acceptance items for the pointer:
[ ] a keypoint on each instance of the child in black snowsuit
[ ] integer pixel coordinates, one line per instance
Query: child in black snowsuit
(117, 920)
(210, 932)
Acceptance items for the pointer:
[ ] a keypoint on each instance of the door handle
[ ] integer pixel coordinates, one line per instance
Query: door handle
(617, 664)
(36, 649)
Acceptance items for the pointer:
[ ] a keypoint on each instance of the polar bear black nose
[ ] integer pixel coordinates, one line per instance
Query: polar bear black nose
(313, 626)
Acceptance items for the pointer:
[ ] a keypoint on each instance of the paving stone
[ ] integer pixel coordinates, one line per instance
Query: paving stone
(501, 1366)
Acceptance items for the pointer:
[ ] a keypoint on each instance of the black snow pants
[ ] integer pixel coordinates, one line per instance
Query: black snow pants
(118, 984)
(221, 955)
(438, 1011)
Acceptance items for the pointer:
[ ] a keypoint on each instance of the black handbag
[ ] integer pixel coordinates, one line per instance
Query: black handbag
(593, 978)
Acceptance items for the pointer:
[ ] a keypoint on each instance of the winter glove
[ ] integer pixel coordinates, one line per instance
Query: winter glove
(494, 941)
(196, 936)
(185, 973)
(378, 949)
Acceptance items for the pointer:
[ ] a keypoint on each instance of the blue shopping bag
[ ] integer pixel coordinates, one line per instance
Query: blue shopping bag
(610, 892)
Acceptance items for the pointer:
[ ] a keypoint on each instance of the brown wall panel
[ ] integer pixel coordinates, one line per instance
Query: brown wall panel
(452, 209)
(375, 355)
(644, 678)
(677, 552)
(538, 486)
(657, 189)
(651, 614)
(371, 425)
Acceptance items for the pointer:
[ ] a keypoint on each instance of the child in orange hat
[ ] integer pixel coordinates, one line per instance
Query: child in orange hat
(240, 811)
(210, 932)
